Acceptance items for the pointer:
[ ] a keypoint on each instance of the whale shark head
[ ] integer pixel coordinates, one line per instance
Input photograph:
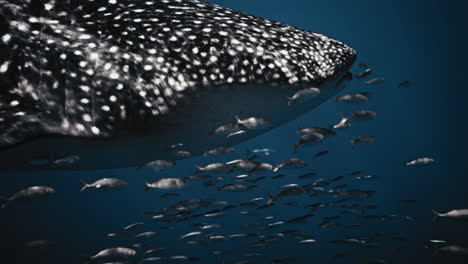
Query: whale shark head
(119, 81)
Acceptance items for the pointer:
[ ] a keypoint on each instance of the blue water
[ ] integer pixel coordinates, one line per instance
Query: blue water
(424, 42)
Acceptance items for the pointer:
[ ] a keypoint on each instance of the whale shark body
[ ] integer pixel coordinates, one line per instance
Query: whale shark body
(118, 81)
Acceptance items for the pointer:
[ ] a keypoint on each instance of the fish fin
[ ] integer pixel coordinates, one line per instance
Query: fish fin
(436, 215)
(83, 185)
(342, 116)
(289, 101)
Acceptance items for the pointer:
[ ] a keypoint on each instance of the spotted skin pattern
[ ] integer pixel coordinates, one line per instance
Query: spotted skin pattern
(89, 68)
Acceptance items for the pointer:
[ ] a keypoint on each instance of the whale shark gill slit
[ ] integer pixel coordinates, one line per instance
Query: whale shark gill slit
(116, 82)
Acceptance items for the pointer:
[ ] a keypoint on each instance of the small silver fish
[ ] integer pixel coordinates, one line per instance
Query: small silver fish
(362, 115)
(453, 250)
(158, 165)
(363, 74)
(253, 122)
(303, 93)
(132, 226)
(460, 214)
(437, 241)
(117, 253)
(320, 130)
(265, 151)
(196, 233)
(362, 139)
(104, 184)
(420, 162)
(28, 194)
(238, 133)
(213, 168)
(206, 227)
(66, 161)
(219, 150)
(182, 153)
(343, 122)
(353, 98)
(146, 234)
(40, 244)
(244, 165)
(307, 241)
(375, 81)
(308, 139)
(406, 84)
(165, 183)
(177, 145)
(291, 163)
(226, 129)
(233, 188)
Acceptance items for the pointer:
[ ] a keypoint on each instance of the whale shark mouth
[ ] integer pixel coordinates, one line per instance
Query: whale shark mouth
(148, 74)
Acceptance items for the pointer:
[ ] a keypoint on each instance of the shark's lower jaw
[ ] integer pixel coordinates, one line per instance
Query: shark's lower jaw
(167, 71)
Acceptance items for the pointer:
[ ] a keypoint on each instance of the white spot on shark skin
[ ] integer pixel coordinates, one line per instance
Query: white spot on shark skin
(6, 38)
(95, 130)
(4, 66)
(114, 75)
(87, 118)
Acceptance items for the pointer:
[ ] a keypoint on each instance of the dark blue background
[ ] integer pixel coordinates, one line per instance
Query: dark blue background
(422, 41)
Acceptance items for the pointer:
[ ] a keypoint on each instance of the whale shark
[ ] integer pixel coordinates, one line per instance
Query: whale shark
(116, 82)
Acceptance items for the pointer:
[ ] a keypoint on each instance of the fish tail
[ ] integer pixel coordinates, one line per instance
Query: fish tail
(342, 116)
(198, 169)
(271, 198)
(146, 184)
(436, 215)
(83, 185)
(238, 121)
(335, 99)
(289, 101)
(3, 202)
(87, 259)
(299, 129)
(295, 147)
